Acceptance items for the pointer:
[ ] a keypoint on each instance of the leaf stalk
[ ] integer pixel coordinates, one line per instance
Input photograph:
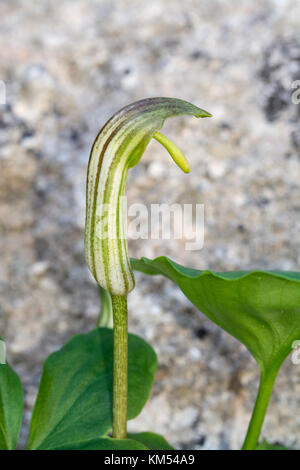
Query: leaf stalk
(267, 380)
(105, 319)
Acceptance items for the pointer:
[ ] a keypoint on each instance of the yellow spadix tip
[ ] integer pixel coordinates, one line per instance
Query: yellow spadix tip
(174, 151)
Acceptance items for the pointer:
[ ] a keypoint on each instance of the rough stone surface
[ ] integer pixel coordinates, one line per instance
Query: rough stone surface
(67, 66)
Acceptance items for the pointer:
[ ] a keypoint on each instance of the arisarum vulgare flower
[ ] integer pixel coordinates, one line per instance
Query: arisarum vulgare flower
(119, 146)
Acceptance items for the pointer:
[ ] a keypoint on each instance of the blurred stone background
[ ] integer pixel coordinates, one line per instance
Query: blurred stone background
(67, 66)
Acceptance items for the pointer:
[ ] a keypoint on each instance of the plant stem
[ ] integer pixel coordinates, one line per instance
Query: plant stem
(120, 381)
(267, 380)
(106, 315)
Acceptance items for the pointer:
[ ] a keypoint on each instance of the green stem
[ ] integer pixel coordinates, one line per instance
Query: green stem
(120, 384)
(106, 315)
(267, 380)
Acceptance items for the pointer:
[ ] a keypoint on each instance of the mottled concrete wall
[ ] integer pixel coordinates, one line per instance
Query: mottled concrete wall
(67, 66)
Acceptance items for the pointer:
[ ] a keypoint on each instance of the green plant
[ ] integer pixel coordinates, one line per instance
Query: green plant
(119, 146)
(99, 380)
(259, 308)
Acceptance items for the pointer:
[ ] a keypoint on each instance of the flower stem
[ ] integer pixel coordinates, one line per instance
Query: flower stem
(267, 380)
(120, 384)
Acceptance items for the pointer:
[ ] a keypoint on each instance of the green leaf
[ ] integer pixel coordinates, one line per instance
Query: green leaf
(134, 441)
(74, 402)
(265, 445)
(11, 407)
(151, 440)
(259, 308)
(106, 443)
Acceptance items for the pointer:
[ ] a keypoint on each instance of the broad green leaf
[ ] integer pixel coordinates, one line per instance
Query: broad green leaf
(74, 402)
(265, 445)
(259, 308)
(151, 440)
(11, 407)
(105, 443)
(134, 441)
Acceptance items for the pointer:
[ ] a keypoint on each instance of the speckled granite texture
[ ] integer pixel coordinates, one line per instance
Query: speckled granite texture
(67, 66)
